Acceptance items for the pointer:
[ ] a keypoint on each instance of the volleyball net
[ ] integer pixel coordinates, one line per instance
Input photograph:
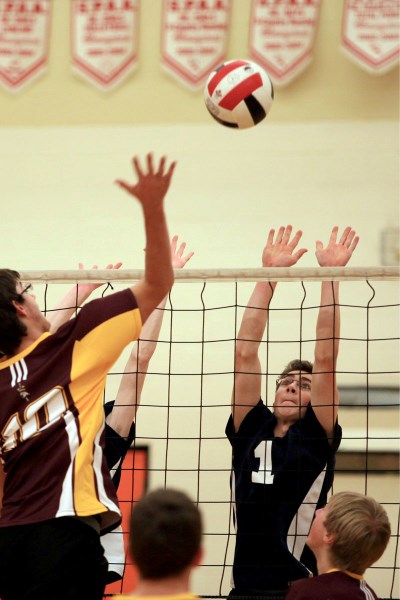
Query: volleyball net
(186, 399)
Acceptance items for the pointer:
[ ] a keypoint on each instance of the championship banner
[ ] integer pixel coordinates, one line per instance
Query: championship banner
(24, 41)
(104, 40)
(370, 33)
(194, 38)
(282, 36)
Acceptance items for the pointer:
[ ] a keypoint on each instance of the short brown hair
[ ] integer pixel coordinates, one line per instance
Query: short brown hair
(165, 535)
(360, 529)
(305, 366)
(12, 330)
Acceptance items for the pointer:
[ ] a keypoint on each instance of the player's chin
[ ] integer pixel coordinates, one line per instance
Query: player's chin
(288, 410)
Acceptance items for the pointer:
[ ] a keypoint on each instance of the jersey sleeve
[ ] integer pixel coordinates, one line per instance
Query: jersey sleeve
(255, 420)
(313, 427)
(102, 329)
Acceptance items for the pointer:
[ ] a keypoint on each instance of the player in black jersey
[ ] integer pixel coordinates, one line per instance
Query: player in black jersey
(121, 413)
(57, 493)
(283, 460)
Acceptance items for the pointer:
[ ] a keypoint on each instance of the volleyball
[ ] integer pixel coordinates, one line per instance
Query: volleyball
(238, 94)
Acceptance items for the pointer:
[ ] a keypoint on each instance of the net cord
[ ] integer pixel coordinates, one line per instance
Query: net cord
(202, 275)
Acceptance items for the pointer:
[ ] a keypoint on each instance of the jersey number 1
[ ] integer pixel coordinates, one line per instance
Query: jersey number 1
(264, 473)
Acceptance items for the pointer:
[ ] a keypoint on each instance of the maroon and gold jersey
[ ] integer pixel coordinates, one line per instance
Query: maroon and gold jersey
(52, 417)
(336, 585)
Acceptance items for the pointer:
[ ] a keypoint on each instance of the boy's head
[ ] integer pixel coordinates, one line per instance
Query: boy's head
(166, 534)
(293, 390)
(355, 529)
(12, 330)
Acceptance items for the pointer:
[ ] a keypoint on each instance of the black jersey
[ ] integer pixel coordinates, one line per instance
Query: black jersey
(52, 419)
(116, 448)
(277, 484)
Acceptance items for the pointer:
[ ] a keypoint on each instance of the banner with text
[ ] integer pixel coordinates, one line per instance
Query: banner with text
(104, 40)
(24, 41)
(370, 33)
(194, 38)
(282, 36)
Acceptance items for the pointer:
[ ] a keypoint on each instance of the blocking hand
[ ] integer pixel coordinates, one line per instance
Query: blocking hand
(280, 252)
(152, 183)
(337, 253)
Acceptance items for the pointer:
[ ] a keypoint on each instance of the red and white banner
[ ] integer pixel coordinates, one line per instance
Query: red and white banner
(282, 36)
(370, 33)
(104, 40)
(24, 41)
(194, 38)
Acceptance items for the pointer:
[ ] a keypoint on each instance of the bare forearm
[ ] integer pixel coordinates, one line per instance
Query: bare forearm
(67, 306)
(130, 389)
(328, 324)
(159, 276)
(255, 316)
(158, 270)
(151, 331)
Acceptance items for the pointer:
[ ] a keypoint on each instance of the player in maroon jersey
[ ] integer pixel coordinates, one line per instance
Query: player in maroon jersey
(347, 536)
(121, 412)
(57, 491)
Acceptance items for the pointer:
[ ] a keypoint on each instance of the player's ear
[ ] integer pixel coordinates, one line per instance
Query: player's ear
(329, 538)
(19, 308)
(198, 557)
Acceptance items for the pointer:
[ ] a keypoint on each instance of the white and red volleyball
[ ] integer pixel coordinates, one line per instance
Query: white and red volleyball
(238, 94)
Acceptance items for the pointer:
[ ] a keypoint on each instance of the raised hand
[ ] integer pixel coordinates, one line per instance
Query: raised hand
(153, 184)
(88, 288)
(280, 252)
(178, 260)
(337, 253)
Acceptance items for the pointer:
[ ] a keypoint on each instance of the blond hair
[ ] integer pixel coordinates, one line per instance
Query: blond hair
(360, 529)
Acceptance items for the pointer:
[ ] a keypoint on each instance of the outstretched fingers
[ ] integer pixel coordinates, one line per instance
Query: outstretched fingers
(296, 239)
(185, 259)
(270, 239)
(354, 243)
(153, 180)
(279, 250)
(297, 255)
(177, 256)
(124, 185)
(345, 235)
(338, 252)
(333, 236)
(181, 249)
(349, 239)
(279, 235)
(287, 232)
(150, 163)
(137, 167)
(161, 165)
(171, 170)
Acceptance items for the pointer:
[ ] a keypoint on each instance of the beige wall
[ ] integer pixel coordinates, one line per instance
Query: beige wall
(332, 87)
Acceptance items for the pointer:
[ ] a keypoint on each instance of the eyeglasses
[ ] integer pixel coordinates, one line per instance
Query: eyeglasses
(303, 384)
(28, 289)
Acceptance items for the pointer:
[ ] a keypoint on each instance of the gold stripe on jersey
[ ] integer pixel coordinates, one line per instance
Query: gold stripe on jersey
(92, 357)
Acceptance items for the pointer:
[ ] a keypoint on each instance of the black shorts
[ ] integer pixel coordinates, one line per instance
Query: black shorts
(59, 559)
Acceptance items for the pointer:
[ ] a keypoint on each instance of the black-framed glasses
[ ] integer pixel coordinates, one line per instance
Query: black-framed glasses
(303, 383)
(28, 289)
